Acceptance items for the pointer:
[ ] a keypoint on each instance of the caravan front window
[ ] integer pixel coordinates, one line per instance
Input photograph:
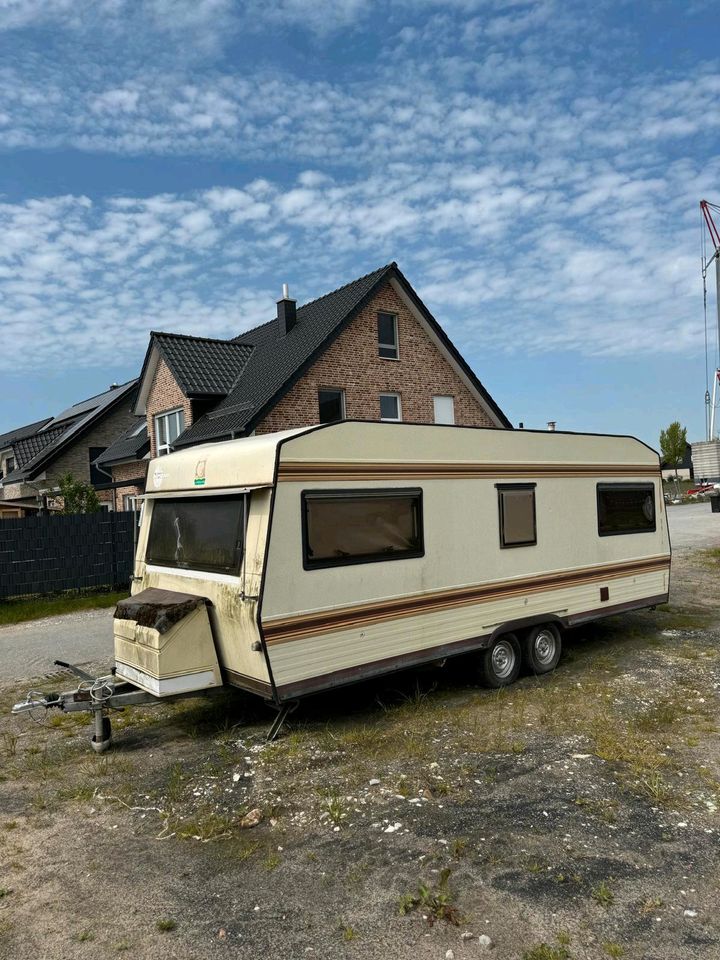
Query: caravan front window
(197, 533)
(361, 526)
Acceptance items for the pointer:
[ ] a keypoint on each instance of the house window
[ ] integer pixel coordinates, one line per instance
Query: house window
(168, 427)
(331, 404)
(444, 409)
(360, 526)
(516, 503)
(625, 508)
(390, 408)
(387, 336)
(9, 464)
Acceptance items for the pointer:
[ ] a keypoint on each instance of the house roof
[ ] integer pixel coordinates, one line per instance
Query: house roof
(278, 361)
(201, 366)
(55, 436)
(29, 447)
(10, 438)
(131, 445)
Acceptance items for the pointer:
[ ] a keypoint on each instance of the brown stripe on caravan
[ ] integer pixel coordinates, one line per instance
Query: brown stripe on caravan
(364, 671)
(284, 629)
(252, 684)
(302, 471)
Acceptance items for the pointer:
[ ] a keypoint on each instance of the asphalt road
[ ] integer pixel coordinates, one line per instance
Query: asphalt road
(693, 525)
(29, 649)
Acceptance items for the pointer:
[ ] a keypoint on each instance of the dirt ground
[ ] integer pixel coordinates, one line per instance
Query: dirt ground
(572, 816)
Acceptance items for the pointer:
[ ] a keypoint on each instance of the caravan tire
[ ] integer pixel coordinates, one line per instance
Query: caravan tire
(542, 647)
(500, 663)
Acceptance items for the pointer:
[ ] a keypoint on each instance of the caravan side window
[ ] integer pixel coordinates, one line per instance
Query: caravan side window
(625, 508)
(360, 526)
(516, 503)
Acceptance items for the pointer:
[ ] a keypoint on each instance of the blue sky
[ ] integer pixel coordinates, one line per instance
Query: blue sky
(534, 166)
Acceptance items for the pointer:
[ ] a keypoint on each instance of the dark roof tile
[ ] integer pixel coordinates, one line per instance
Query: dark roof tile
(276, 359)
(131, 445)
(203, 367)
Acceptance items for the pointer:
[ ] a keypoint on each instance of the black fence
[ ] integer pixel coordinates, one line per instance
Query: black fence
(53, 553)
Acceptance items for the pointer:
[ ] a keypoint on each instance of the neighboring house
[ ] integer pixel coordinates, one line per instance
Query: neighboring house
(71, 442)
(370, 350)
(685, 467)
(125, 461)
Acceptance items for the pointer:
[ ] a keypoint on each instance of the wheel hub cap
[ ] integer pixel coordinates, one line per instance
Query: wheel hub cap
(545, 647)
(503, 660)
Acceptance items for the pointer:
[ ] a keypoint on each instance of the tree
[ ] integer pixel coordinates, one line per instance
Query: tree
(673, 443)
(78, 496)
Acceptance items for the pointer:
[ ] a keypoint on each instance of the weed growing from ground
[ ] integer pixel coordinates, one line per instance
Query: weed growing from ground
(435, 903)
(165, 925)
(602, 894)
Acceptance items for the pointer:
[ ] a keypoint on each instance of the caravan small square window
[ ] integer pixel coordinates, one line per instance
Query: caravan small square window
(625, 508)
(360, 526)
(516, 502)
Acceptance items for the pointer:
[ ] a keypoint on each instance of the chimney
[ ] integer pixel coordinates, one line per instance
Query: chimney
(286, 312)
(551, 425)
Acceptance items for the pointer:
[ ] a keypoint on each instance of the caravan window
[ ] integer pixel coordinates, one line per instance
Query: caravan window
(516, 503)
(354, 526)
(625, 508)
(197, 533)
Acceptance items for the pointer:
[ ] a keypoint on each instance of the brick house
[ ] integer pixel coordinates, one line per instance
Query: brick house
(370, 350)
(34, 457)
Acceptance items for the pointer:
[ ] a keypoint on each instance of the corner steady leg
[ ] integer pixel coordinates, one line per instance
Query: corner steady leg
(283, 713)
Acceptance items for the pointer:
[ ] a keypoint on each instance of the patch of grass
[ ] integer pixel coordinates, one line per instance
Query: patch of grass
(602, 894)
(544, 951)
(85, 936)
(458, 848)
(165, 924)
(5, 892)
(19, 611)
(650, 905)
(604, 808)
(435, 903)
(122, 945)
(348, 932)
(334, 805)
(614, 950)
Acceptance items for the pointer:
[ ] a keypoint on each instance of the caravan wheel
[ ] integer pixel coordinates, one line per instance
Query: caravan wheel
(542, 648)
(500, 663)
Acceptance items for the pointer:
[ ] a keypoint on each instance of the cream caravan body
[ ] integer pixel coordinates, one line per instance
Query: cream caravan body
(366, 547)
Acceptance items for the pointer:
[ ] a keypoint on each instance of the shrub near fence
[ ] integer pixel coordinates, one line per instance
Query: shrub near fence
(49, 554)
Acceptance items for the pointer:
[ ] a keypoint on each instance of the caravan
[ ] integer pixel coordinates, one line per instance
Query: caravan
(294, 562)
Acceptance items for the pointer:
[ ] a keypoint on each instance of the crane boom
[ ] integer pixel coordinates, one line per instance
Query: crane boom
(712, 229)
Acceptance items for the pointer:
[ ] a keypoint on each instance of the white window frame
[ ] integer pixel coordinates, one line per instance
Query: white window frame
(164, 448)
(389, 346)
(452, 408)
(397, 419)
(131, 498)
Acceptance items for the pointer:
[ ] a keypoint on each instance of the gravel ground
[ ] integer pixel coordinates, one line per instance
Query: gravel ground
(693, 525)
(572, 816)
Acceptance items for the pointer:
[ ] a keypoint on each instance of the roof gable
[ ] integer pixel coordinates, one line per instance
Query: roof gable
(278, 362)
(48, 443)
(20, 433)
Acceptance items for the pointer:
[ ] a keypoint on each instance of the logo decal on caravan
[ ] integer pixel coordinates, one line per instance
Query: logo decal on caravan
(158, 476)
(199, 473)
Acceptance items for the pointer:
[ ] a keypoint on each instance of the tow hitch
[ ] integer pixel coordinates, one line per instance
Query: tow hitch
(96, 695)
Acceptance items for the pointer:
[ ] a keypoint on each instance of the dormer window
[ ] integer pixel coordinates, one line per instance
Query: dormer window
(387, 336)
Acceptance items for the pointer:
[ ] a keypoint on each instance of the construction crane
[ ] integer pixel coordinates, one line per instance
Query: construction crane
(712, 421)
